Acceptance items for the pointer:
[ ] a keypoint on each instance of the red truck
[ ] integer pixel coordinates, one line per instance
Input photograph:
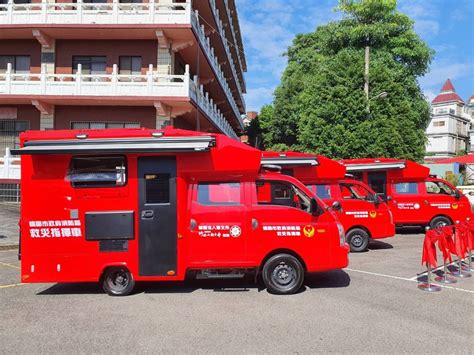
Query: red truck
(123, 205)
(361, 212)
(414, 197)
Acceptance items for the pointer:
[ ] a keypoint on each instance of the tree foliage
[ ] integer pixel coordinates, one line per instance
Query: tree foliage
(320, 105)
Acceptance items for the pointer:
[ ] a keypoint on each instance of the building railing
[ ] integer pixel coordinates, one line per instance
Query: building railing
(79, 12)
(111, 85)
(209, 51)
(222, 34)
(9, 167)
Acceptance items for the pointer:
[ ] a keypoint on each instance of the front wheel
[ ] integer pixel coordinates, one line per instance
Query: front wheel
(358, 239)
(118, 281)
(439, 222)
(283, 274)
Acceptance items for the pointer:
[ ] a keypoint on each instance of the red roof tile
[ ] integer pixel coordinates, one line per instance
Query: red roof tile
(465, 159)
(448, 94)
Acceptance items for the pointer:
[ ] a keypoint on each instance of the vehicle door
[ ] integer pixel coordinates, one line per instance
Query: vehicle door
(357, 204)
(441, 198)
(408, 205)
(218, 223)
(281, 218)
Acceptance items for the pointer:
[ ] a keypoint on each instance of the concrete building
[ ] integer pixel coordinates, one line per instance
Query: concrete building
(470, 104)
(450, 125)
(120, 63)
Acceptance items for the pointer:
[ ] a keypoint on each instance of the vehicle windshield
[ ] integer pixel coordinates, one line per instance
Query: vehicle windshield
(439, 188)
(355, 192)
(282, 193)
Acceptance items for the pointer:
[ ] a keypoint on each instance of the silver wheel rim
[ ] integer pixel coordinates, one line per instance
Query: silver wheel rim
(357, 240)
(284, 275)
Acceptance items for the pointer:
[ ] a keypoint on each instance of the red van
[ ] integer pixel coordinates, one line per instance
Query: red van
(361, 212)
(414, 197)
(124, 205)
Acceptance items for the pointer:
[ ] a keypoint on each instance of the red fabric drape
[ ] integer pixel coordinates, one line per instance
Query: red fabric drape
(429, 248)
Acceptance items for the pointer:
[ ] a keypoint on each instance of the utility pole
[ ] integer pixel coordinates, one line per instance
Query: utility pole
(366, 74)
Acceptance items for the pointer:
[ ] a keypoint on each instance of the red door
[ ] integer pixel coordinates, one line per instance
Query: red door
(408, 205)
(219, 225)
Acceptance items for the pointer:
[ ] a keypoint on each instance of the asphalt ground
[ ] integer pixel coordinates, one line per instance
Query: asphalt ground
(372, 306)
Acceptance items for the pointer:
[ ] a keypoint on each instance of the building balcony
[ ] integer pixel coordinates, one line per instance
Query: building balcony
(79, 13)
(64, 89)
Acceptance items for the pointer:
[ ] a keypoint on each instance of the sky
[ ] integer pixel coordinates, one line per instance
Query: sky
(269, 26)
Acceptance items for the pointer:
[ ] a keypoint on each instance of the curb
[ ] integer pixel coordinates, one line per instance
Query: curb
(9, 247)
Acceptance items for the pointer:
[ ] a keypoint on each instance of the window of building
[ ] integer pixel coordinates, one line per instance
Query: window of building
(129, 65)
(219, 194)
(157, 188)
(103, 125)
(9, 133)
(439, 123)
(20, 63)
(97, 171)
(95, 65)
(406, 188)
(282, 194)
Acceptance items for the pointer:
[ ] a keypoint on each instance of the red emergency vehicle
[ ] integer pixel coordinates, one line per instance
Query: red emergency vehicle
(125, 205)
(414, 197)
(362, 213)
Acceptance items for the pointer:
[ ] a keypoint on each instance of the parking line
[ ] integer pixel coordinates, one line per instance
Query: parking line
(406, 279)
(11, 285)
(9, 265)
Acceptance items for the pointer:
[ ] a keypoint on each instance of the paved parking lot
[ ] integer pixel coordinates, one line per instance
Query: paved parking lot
(9, 216)
(373, 306)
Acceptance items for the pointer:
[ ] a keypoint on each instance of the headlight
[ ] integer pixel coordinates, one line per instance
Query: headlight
(342, 234)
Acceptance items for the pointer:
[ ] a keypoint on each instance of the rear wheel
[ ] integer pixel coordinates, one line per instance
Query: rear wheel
(283, 274)
(439, 222)
(358, 240)
(118, 281)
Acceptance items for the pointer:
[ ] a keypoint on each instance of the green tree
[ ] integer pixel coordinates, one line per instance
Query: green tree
(320, 105)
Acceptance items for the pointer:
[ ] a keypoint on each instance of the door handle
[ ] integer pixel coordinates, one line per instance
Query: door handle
(148, 214)
(254, 224)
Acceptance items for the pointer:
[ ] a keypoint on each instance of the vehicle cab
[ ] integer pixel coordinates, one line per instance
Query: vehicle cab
(127, 205)
(362, 213)
(414, 197)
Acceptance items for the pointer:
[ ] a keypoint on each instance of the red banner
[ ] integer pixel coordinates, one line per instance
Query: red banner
(429, 248)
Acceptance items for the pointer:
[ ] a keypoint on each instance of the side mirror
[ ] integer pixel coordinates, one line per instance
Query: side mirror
(315, 209)
(336, 206)
(389, 198)
(382, 196)
(457, 194)
(471, 193)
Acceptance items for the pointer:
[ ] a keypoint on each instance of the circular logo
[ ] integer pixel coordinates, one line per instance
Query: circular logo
(235, 231)
(373, 214)
(308, 231)
(416, 206)
(454, 206)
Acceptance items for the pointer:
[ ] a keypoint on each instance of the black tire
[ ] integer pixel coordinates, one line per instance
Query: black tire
(118, 281)
(439, 222)
(283, 274)
(358, 240)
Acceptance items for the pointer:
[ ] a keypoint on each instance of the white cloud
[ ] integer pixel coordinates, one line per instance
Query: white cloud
(440, 71)
(257, 97)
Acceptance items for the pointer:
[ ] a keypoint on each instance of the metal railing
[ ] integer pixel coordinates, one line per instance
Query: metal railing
(79, 12)
(9, 166)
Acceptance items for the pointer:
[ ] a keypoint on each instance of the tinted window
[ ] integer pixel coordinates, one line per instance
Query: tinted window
(157, 188)
(439, 188)
(322, 191)
(224, 194)
(354, 192)
(282, 194)
(97, 171)
(406, 188)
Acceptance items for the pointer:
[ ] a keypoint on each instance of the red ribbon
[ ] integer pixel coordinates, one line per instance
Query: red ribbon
(429, 248)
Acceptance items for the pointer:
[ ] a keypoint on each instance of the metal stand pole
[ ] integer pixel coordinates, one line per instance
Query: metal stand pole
(445, 279)
(460, 272)
(468, 267)
(428, 286)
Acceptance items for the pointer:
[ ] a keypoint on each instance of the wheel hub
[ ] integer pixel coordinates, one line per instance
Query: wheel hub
(283, 274)
(357, 240)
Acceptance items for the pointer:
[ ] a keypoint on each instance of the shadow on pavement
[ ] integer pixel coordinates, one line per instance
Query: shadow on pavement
(330, 279)
(410, 230)
(377, 245)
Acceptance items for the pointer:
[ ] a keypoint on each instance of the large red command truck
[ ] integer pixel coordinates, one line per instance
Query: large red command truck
(125, 205)
(362, 213)
(414, 197)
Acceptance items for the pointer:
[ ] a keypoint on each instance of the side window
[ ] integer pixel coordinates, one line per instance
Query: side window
(157, 188)
(97, 171)
(406, 188)
(438, 188)
(219, 194)
(282, 194)
(354, 192)
(322, 191)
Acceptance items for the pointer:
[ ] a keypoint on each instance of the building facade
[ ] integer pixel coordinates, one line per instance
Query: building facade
(449, 130)
(76, 64)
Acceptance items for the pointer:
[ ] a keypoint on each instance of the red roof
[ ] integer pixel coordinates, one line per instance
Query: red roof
(465, 159)
(447, 94)
(471, 99)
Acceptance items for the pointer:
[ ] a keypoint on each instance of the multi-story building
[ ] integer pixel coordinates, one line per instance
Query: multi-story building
(470, 104)
(448, 130)
(120, 63)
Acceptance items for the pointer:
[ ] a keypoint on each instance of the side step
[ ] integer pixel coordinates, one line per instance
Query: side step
(221, 274)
